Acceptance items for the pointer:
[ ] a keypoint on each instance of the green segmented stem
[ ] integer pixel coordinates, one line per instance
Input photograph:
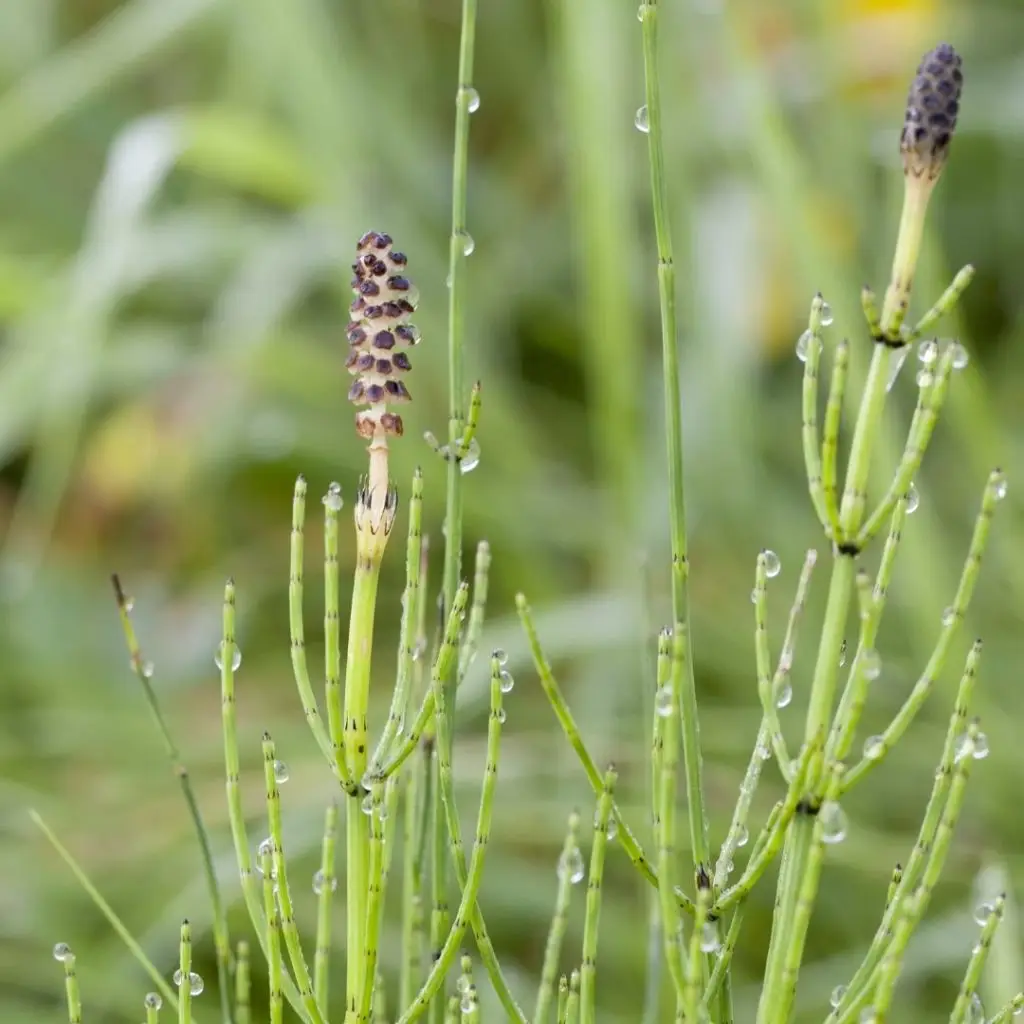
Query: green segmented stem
(412, 882)
(469, 1007)
(332, 651)
(271, 941)
(687, 696)
(765, 688)
(243, 984)
(1011, 1009)
(665, 826)
(830, 438)
(563, 999)
(553, 692)
(591, 921)
(289, 929)
(144, 673)
(185, 976)
(411, 599)
(572, 1004)
(451, 1013)
(236, 817)
(556, 932)
(924, 845)
(105, 908)
(809, 418)
(477, 611)
(447, 794)
(897, 877)
(296, 624)
(723, 961)
(328, 882)
(375, 895)
(869, 303)
(71, 993)
(380, 1002)
(937, 661)
(932, 399)
(945, 303)
(693, 964)
(470, 883)
(912, 909)
(979, 955)
(774, 832)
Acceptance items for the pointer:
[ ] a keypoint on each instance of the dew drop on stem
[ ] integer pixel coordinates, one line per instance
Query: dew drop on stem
(833, 823)
(871, 664)
(949, 616)
(826, 315)
(663, 701)
(999, 486)
(784, 696)
(320, 883)
(570, 865)
(913, 499)
(500, 656)
(837, 996)
(772, 563)
(505, 681)
(153, 1001)
(898, 360)
(803, 343)
(982, 912)
(874, 748)
(236, 658)
(960, 356)
(281, 773)
(709, 941)
(500, 715)
(61, 952)
(975, 1011)
(468, 245)
(980, 751)
(925, 378)
(148, 668)
(742, 836)
(471, 457)
(642, 120)
(842, 654)
(471, 98)
(195, 982)
(928, 352)
(367, 804)
(333, 500)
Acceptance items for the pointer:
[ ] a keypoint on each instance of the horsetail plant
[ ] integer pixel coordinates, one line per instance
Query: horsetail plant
(403, 784)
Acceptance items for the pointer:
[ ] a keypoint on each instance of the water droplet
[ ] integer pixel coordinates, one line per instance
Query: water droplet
(753, 596)
(62, 952)
(928, 352)
(320, 883)
(982, 912)
(468, 245)
(471, 98)
(663, 701)
(833, 823)
(500, 656)
(999, 486)
(913, 499)
(837, 996)
(468, 1002)
(742, 836)
(236, 658)
(874, 748)
(963, 747)
(868, 1016)
(764, 751)
(960, 356)
(641, 12)
(367, 804)
(981, 749)
(500, 715)
(471, 457)
(975, 1011)
(148, 668)
(333, 500)
(505, 681)
(772, 563)
(154, 1001)
(785, 660)
(871, 664)
(784, 696)
(613, 827)
(281, 773)
(570, 865)
(826, 315)
(949, 616)
(1018, 1011)
(709, 941)
(803, 343)
(842, 654)
(420, 649)
(265, 848)
(129, 603)
(898, 360)
(925, 378)
(642, 121)
(195, 982)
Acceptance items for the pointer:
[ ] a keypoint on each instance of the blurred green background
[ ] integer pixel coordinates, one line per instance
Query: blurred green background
(181, 186)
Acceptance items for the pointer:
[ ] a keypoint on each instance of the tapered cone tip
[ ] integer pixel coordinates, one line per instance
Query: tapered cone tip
(932, 107)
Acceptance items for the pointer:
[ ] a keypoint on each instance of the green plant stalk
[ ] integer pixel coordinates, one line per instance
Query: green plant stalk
(471, 885)
(271, 941)
(380, 1002)
(801, 836)
(563, 999)
(809, 421)
(830, 434)
(143, 672)
(357, 826)
(375, 895)
(553, 692)
(765, 683)
(71, 992)
(674, 430)
(667, 749)
(595, 877)
(243, 984)
(324, 906)
(1012, 1009)
(296, 624)
(556, 933)
(289, 929)
(477, 611)
(152, 1014)
(236, 817)
(572, 1005)
(105, 909)
(185, 979)
(693, 964)
(444, 777)
(336, 719)
(979, 955)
